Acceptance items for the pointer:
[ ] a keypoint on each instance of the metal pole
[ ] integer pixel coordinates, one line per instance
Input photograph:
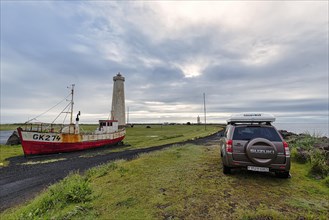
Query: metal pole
(128, 115)
(204, 110)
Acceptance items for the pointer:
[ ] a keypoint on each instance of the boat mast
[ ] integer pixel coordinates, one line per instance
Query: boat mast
(72, 103)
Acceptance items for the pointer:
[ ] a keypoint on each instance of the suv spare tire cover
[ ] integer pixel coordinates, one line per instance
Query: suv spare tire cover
(261, 151)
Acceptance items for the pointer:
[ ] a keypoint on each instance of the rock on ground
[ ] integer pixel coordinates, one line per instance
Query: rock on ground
(13, 139)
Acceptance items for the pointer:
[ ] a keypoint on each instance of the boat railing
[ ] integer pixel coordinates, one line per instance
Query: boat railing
(53, 128)
(97, 133)
(43, 127)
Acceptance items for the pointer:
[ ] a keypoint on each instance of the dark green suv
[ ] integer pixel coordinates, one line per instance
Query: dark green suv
(252, 142)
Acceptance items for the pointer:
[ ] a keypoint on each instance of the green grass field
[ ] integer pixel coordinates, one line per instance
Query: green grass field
(8, 152)
(183, 182)
(139, 136)
(9, 127)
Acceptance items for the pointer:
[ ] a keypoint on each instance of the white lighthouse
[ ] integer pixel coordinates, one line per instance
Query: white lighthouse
(118, 100)
(198, 121)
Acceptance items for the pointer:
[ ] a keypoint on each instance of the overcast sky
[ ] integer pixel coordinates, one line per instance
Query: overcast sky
(246, 56)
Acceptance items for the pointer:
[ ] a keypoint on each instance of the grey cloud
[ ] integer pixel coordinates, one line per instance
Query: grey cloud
(88, 44)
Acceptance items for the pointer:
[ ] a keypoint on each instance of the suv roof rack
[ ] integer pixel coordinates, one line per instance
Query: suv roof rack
(251, 118)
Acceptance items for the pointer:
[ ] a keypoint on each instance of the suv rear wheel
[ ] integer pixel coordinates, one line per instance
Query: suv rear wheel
(283, 175)
(226, 170)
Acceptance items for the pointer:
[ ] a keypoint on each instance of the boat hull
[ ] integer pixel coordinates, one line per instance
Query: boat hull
(35, 143)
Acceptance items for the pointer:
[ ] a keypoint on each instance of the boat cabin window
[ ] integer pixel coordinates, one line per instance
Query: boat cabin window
(101, 124)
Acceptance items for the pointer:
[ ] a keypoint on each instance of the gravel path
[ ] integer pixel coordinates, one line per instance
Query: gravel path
(20, 183)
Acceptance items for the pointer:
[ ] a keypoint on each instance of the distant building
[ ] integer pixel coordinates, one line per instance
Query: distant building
(198, 120)
(118, 100)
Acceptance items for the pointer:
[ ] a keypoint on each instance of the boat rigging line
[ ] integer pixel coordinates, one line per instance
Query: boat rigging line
(65, 99)
(61, 113)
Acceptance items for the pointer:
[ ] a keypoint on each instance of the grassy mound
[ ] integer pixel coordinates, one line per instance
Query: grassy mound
(64, 200)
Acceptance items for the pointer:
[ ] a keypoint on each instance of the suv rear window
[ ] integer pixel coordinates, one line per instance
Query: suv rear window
(250, 132)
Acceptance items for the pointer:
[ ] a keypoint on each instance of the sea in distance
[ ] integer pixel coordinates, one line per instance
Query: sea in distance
(4, 135)
(315, 129)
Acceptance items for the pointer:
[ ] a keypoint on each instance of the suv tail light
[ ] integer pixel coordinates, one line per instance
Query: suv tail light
(286, 148)
(229, 144)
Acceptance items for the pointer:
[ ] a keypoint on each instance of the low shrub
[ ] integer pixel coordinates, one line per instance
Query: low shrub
(319, 164)
(306, 149)
(305, 142)
(326, 181)
(300, 155)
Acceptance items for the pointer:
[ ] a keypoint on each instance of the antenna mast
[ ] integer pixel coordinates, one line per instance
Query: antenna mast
(204, 110)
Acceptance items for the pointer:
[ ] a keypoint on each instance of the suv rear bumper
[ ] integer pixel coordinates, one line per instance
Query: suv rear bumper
(230, 162)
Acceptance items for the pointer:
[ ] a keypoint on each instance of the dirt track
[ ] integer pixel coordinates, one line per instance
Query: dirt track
(20, 183)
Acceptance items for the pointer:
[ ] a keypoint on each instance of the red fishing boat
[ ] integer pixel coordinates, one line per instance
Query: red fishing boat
(40, 138)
